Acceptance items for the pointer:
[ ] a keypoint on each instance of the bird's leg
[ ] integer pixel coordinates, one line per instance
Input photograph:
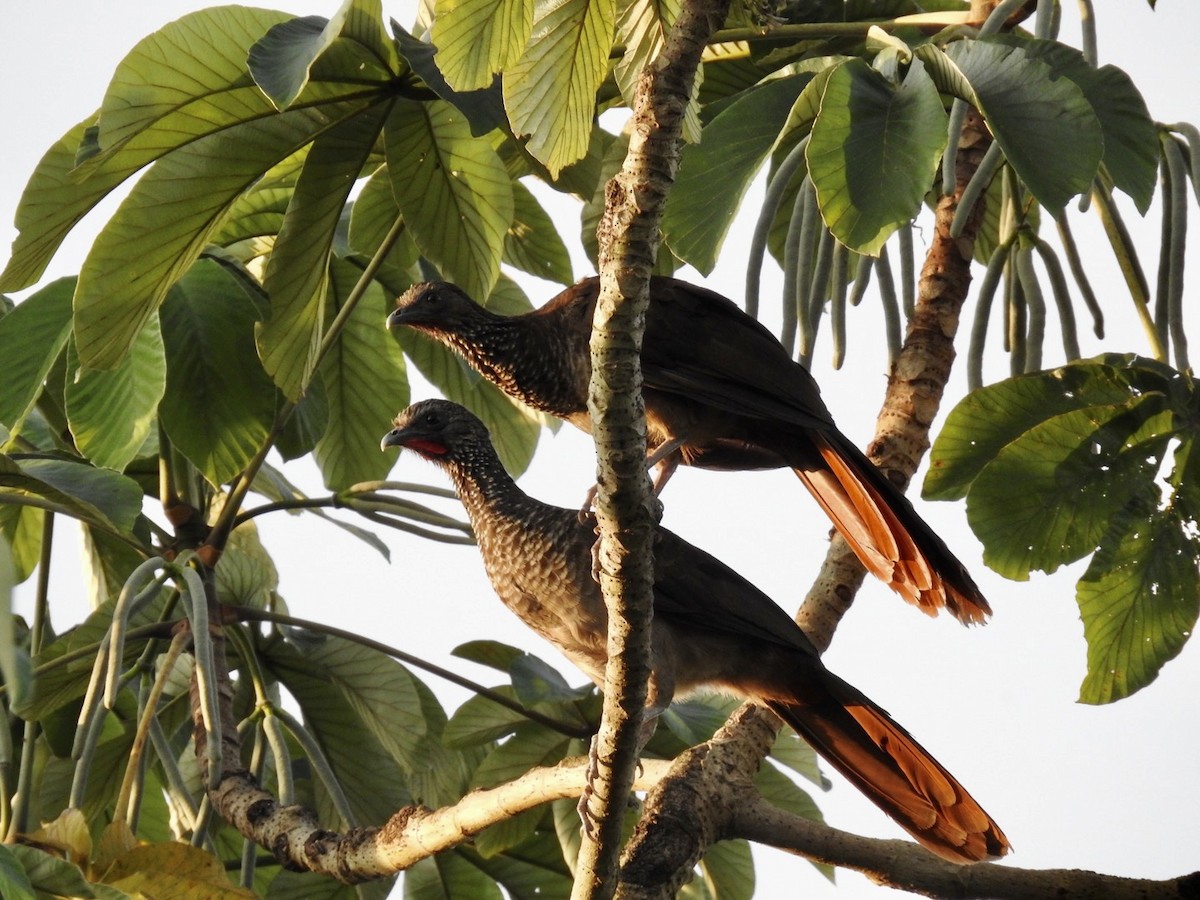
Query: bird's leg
(665, 458)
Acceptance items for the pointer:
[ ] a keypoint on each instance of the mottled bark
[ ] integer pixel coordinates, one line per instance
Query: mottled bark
(625, 508)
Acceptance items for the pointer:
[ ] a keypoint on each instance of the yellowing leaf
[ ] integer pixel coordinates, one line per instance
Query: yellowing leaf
(550, 93)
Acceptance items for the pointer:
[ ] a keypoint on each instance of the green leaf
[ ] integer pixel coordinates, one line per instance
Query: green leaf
(149, 109)
(484, 109)
(1138, 599)
(550, 92)
(475, 39)
(453, 190)
(219, 402)
(189, 77)
(372, 216)
(384, 695)
(728, 870)
(1131, 148)
(306, 424)
(985, 421)
(779, 790)
(794, 752)
(536, 681)
(534, 870)
(245, 573)
(642, 26)
(495, 654)
(1044, 124)
(21, 528)
(365, 384)
(533, 243)
(1076, 471)
(873, 150)
(508, 833)
(91, 493)
(282, 60)
(112, 413)
(447, 876)
(31, 338)
(163, 225)
(296, 276)
(365, 769)
(14, 883)
(480, 721)
(14, 660)
(702, 205)
(531, 745)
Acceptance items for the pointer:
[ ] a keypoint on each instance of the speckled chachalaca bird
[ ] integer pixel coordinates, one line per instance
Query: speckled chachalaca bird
(710, 627)
(722, 393)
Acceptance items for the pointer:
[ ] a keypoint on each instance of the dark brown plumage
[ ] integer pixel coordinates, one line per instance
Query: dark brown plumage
(720, 393)
(711, 627)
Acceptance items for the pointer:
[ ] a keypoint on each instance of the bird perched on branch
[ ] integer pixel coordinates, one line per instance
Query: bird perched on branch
(710, 627)
(721, 393)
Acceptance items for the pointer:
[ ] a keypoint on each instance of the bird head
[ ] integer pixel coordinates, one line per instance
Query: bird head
(436, 429)
(436, 306)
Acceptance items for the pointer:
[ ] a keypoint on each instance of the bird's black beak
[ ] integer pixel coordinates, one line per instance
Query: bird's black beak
(394, 438)
(396, 319)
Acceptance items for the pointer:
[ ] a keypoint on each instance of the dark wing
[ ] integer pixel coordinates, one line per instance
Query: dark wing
(702, 345)
(695, 589)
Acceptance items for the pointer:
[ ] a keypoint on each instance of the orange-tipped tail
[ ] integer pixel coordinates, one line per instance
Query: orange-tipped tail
(888, 536)
(883, 760)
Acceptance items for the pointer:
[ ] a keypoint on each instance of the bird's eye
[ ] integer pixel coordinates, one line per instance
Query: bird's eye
(430, 417)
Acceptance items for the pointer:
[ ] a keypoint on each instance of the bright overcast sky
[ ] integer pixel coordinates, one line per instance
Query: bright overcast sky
(1113, 789)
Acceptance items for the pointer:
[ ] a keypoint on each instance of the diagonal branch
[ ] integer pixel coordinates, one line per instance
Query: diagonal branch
(915, 384)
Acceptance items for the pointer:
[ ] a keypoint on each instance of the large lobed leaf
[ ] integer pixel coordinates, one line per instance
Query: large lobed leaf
(112, 413)
(1086, 445)
(1045, 125)
(296, 276)
(31, 338)
(715, 174)
(184, 81)
(533, 243)
(163, 225)
(1131, 148)
(873, 150)
(476, 39)
(1138, 598)
(550, 92)
(282, 61)
(219, 403)
(365, 384)
(452, 189)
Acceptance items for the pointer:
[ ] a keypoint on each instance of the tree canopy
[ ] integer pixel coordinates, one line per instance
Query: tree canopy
(288, 177)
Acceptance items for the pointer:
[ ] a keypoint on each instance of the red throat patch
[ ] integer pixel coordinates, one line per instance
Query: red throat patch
(425, 447)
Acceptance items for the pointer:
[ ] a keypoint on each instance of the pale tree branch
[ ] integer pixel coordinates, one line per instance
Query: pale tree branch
(910, 867)
(625, 508)
(413, 833)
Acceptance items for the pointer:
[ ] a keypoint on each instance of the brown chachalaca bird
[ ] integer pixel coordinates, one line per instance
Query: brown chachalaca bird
(721, 393)
(710, 627)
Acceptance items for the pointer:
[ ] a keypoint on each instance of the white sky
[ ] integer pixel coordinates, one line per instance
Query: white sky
(1113, 789)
